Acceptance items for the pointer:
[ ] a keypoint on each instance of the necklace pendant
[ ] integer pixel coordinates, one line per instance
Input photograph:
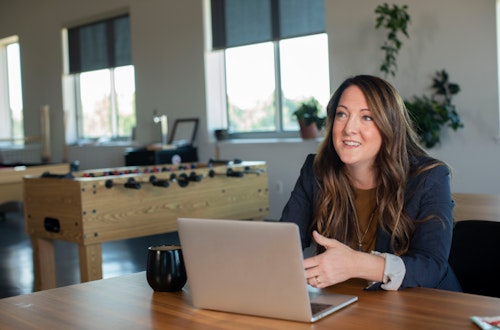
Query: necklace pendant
(360, 247)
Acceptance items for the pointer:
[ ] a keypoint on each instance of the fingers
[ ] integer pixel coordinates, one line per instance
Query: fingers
(324, 241)
(319, 270)
(315, 281)
(311, 266)
(311, 262)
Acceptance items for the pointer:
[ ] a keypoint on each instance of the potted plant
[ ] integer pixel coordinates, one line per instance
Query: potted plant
(429, 114)
(307, 115)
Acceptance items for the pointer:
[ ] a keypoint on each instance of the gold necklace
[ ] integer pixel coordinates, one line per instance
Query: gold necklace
(360, 240)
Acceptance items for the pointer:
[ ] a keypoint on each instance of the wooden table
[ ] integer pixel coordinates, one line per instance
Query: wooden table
(127, 302)
(476, 207)
(104, 205)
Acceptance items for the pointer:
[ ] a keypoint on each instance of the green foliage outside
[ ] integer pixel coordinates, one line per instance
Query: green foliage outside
(261, 118)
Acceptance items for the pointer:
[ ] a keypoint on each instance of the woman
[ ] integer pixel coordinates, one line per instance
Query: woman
(376, 204)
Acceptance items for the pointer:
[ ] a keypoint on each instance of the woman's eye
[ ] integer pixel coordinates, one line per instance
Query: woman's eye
(367, 118)
(339, 114)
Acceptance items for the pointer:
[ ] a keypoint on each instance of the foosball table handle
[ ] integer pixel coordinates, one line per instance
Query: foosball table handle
(130, 184)
(236, 174)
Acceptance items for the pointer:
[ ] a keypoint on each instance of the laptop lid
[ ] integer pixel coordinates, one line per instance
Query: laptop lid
(250, 267)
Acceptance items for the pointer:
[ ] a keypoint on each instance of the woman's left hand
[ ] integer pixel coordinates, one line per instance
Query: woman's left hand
(337, 264)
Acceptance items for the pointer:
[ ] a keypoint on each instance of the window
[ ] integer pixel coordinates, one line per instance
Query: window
(275, 56)
(102, 78)
(107, 104)
(11, 101)
(297, 67)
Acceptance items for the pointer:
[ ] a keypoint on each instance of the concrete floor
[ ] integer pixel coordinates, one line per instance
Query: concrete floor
(16, 264)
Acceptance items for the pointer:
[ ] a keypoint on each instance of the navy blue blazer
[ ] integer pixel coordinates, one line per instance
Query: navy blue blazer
(427, 194)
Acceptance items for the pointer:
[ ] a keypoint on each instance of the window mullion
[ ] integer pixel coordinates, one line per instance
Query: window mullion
(114, 107)
(277, 90)
(78, 107)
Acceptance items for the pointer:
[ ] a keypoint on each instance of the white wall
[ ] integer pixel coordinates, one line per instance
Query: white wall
(456, 35)
(168, 53)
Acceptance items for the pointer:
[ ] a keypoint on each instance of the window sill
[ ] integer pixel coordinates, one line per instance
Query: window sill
(269, 140)
(105, 144)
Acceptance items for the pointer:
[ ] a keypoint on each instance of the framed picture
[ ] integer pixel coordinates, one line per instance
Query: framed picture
(184, 132)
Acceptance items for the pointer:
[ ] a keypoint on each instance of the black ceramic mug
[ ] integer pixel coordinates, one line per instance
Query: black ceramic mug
(165, 269)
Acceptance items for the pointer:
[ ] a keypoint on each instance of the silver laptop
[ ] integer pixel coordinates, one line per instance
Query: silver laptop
(251, 267)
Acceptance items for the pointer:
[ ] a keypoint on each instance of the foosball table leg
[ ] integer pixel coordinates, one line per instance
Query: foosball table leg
(90, 262)
(44, 266)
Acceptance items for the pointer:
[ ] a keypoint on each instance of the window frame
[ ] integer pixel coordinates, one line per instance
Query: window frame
(9, 139)
(75, 65)
(114, 111)
(288, 20)
(280, 131)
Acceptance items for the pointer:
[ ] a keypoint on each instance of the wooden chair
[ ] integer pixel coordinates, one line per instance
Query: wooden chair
(475, 256)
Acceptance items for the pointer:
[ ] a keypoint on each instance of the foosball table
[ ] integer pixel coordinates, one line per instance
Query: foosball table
(101, 205)
(11, 178)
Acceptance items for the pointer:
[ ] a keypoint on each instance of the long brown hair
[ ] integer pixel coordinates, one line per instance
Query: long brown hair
(336, 214)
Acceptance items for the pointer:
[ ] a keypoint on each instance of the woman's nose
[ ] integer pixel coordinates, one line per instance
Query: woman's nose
(351, 125)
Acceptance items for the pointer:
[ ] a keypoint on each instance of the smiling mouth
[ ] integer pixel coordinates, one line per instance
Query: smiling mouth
(352, 143)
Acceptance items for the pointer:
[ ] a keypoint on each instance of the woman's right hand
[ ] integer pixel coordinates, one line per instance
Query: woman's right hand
(339, 263)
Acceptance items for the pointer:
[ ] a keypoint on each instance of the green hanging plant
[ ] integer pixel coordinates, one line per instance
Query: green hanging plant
(395, 19)
(429, 114)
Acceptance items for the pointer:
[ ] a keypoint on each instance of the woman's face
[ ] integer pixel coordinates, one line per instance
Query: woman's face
(356, 138)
